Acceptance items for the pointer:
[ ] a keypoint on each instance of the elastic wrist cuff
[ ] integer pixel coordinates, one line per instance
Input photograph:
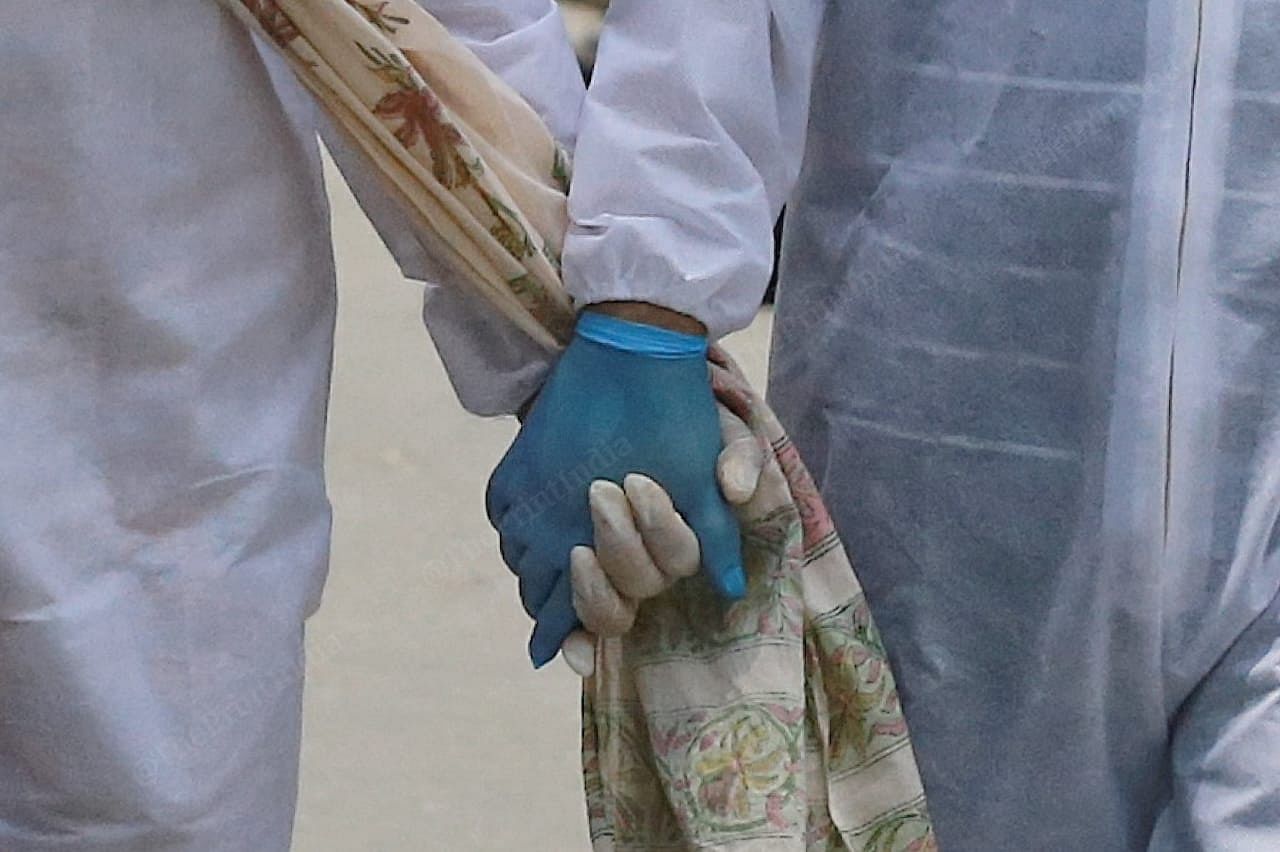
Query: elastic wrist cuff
(639, 338)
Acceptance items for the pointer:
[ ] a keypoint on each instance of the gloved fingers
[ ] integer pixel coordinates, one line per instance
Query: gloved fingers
(668, 539)
(618, 545)
(539, 572)
(555, 621)
(741, 461)
(600, 607)
(721, 542)
(512, 548)
(579, 651)
(497, 495)
(502, 488)
(502, 508)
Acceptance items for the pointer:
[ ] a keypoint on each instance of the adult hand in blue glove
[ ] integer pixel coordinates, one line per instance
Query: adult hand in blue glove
(643, 546)
(625, 397)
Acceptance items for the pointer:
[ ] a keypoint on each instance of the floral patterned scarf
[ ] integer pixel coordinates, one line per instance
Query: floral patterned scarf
(769, 724)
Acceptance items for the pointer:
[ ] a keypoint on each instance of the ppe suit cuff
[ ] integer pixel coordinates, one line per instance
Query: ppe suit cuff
(719, 282)
(720, 316)
(639, 338)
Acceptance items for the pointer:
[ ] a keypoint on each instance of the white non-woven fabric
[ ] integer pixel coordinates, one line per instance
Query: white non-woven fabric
(166, 320)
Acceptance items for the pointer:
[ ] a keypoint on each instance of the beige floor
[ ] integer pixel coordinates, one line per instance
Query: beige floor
(425, 727)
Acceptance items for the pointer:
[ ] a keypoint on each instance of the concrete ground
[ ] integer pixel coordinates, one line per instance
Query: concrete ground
(425, 726)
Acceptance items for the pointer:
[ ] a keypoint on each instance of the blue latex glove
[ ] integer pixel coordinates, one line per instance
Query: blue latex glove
(623, 398)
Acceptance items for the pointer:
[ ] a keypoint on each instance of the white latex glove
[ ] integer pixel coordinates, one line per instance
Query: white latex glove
(643, 546)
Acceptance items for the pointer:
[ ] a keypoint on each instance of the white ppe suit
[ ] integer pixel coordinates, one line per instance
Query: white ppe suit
(166, 329)
(1027, 340)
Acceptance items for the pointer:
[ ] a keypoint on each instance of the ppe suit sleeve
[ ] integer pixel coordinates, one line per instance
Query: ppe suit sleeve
(493, 367)
(689, 143)
(1225, 789)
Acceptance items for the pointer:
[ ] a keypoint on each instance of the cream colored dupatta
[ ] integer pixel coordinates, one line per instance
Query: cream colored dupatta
(771, 724)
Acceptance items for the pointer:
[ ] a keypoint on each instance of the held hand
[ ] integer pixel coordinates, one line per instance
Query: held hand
(624, 398)
(642, 545)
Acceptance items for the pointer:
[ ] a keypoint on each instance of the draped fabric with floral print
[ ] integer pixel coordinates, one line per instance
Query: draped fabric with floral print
(772, 723)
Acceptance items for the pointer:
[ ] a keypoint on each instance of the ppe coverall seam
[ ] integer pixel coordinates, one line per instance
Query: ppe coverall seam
(1179, 268)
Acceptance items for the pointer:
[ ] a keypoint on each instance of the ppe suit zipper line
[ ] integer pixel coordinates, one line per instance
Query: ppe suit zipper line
(1177, 279)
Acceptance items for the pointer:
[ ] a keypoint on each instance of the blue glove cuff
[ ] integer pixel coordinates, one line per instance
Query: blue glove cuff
(639, 338)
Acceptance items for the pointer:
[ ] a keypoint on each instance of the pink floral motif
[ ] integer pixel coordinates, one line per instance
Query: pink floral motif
(786, 715)
(730, 390)
(928, 843)
(813, 512)
(670, 741)
(742, 758)
(894, 728)
(773, 811)
(278, 25)
(422, 117)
